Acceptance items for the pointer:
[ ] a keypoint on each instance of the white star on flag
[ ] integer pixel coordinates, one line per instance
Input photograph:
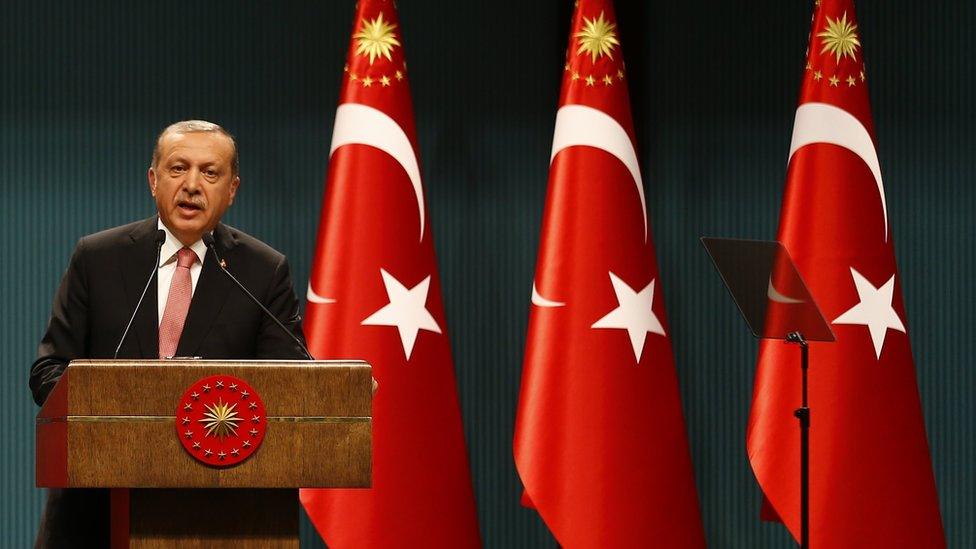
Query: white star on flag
(874, 310)
(633, 314)
(407, 311)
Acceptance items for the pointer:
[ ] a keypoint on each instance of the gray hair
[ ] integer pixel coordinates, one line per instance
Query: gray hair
(197, 126)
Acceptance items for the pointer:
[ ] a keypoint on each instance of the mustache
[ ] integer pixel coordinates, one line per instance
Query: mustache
(192, 202)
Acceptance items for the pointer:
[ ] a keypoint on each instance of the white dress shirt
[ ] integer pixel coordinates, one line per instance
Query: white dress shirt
(167, 266)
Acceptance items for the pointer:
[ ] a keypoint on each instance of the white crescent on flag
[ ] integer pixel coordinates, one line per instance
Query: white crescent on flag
(540, 301)
(582, 125)
(825, 123)
(310, 295)
(357, 124)
(774, 295)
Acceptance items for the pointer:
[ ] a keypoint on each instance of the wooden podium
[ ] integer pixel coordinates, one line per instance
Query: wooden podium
(113, 424)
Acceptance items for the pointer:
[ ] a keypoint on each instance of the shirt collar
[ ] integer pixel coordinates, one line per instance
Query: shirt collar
(172, 245)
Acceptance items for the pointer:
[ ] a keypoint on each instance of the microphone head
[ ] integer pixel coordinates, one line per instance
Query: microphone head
(160, 236)
(208, 240)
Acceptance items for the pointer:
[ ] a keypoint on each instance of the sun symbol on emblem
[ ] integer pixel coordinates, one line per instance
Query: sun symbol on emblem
(220, 419)
(840, 38)
(597, 38)
(375, 39)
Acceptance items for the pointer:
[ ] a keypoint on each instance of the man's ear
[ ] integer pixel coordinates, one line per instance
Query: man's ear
(234, 184)
(151, 176)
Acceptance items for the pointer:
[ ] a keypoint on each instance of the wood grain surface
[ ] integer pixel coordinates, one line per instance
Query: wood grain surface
(112, 425)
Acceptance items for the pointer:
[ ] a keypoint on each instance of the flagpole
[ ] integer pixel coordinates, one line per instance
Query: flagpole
(803, 414)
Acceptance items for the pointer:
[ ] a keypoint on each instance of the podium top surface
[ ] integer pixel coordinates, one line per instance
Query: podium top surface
(126, 387)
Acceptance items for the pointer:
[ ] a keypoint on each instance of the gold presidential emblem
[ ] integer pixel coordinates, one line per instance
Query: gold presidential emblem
(220, 419)
(598, 38)
(840, 38)
(376, 39)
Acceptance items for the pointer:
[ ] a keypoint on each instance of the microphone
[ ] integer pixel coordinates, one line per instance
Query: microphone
(208, 241)
(158, 240)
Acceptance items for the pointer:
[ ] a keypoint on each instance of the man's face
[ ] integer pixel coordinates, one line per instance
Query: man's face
(193, 183)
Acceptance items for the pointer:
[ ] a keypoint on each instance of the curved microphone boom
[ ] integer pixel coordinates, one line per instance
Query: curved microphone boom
(208, 240)
(159, 239)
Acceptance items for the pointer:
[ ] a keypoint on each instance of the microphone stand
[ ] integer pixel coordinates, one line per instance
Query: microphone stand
(160, 239)
(208, 240)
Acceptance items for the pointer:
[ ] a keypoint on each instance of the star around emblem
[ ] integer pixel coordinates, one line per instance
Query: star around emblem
(633, 314)
(214, 424)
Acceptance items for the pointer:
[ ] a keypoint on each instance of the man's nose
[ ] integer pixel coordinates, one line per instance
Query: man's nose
(193, 181)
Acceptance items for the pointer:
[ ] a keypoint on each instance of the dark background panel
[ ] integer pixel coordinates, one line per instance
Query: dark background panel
(85, 86)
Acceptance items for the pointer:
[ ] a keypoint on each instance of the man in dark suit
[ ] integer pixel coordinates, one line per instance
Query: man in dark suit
(190, 309)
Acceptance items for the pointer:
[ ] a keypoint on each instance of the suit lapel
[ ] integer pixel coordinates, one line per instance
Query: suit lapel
(136, 261)
(208, 297)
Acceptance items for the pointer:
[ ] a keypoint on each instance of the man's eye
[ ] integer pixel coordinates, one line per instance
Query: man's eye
(177, 169)
(210, 173)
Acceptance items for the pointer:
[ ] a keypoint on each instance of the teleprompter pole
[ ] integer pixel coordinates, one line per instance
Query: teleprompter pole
(803, 414)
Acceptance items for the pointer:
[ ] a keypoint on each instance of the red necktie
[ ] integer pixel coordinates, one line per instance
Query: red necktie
(177, 304)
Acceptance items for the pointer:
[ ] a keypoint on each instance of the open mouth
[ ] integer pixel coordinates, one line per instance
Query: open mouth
(188, 208)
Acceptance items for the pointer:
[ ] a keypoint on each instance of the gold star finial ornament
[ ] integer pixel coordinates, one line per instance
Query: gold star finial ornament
(840, 38)
(598, 38)
(376, 39)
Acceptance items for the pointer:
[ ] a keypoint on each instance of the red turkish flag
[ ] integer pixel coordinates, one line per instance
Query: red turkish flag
(600, 440)
(871, 482)
(374, 294)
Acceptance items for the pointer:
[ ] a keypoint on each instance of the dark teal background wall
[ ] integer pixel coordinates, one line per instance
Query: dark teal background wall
(85, 86)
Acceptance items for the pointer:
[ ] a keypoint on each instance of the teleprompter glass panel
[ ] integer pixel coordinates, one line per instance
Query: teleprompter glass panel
(767, 288)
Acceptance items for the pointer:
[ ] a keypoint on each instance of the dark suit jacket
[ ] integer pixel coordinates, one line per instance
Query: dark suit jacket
(105, 277)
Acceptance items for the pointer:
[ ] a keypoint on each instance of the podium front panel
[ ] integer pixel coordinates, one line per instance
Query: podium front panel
(113, 424)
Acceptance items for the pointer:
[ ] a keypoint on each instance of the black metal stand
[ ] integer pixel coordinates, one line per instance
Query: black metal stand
(803, 414)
